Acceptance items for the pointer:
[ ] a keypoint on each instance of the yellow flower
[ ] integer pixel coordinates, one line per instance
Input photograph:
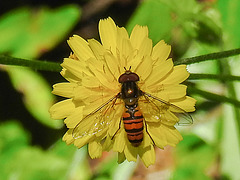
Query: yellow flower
(94, 106)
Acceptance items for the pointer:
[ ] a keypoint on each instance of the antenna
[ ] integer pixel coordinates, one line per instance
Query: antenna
(129, 70)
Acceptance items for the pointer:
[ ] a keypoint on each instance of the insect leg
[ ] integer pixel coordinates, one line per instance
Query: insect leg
(148, 132)
(117, 130)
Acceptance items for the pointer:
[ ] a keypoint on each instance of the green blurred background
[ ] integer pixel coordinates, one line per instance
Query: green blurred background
(30, 142)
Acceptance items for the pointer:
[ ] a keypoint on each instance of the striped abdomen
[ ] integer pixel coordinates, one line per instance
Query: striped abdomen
(133, 124)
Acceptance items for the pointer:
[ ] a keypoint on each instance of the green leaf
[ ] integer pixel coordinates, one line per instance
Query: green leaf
(37, 32)
(177, 23)
(156, 15)
(37, 94)
(231, 130)
(10, 36)
(230, 144)
(13, 139)
(19, 160)
(194, 158)
(106, 168)
(230, 20)
(61, 149)
(33, 163)
(76, 158)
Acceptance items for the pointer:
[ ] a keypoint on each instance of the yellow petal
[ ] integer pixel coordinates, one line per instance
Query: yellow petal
(75, 67)
(80, 48)
(119, 142)
(95, 122)
(87, 95)
(137, 57)
(68, 137)
(96, 48)
(108, 34)
(164, 135)
(64, 89)
(130, 152)
(91, 82)
(62, 109)
(186, 104)
(138, 34)
(113, 65)
(145, 68)
(102, 77)
(122, 33)
(172, 135)
(69, 76)
(73, 56)
(169, 119)
(133, 62)
(123, 42)
(72, 120)
(110, 77)
(95, 149)
(150, 111)
(146, 139)
(95, 65)
(178, 75)
(108, 143)
(160, 51)
(155, 110)
(97, 104)
(175, 91)
(114, 126)
(127, 56)
(121, 157)
(164, 116)
(159, 72)
(147, 155)
(82, 141)
(157, 135)
(145, 48)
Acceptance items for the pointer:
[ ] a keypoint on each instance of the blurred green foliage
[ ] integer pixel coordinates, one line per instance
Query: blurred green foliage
(36, 33)
(210, 148)
(194, 158)
(20, 160)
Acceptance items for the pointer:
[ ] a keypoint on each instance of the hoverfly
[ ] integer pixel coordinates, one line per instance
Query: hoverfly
(132, 116)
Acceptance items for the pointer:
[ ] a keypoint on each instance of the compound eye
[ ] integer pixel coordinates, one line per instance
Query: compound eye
(126, 77)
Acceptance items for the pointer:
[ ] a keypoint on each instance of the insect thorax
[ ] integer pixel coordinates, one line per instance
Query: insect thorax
(130, 93)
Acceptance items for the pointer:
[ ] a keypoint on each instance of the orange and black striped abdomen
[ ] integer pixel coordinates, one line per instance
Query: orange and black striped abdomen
(133, 124)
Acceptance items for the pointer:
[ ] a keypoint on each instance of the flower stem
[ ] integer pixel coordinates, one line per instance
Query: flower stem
(195, 76)
(213, 96)
(206, 57)
(231, 93)
(34, 64)
(52, 66)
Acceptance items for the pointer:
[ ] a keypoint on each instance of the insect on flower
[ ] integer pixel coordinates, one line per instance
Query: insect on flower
(132, 117)
(123, 94)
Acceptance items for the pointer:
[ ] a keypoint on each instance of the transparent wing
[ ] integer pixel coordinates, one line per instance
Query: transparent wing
(168, 113)
(97, 121)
